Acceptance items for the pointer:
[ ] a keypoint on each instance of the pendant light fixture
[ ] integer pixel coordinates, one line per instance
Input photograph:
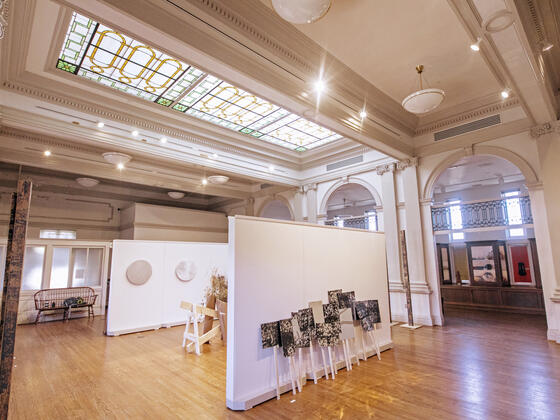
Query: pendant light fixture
(423, 100)
(301, 11)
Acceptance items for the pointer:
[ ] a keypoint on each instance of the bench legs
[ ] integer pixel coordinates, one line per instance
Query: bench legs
(38, 316)
(90, 311)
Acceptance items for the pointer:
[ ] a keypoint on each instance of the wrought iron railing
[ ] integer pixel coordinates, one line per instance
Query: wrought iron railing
(483, 214)
(367, 222)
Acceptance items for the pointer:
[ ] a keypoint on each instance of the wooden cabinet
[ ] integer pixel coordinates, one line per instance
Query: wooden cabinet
(493, 280)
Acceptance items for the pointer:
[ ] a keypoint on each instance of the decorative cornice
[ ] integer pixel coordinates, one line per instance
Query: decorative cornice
(407, 163)
(464, 116)
(546, 128)
(382, 169)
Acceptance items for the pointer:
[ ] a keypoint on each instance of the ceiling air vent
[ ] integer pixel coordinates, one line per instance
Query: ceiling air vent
(345, 162)
(468, 127)
(265, 185)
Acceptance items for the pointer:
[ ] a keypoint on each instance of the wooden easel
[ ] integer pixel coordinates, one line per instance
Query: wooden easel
(193, 311)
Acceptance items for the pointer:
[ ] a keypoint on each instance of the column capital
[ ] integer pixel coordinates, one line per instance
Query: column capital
(407, 163)
(310, 187)
(546, 128)
(383, 169)
(426, 202)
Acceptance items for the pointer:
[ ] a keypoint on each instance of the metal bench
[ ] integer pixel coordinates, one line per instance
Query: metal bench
(64, 299)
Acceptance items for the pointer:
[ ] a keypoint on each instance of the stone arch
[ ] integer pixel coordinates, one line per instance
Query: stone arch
(280, 198)
(525, 168)
(351, 180)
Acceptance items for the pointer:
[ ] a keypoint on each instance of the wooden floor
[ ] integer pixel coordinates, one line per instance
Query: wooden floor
(479, 366)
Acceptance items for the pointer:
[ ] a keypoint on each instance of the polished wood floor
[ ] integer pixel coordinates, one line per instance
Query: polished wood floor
(479, 366)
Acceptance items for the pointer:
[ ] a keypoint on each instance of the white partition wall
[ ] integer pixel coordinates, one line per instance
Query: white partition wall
(156, 302)
(277, 267)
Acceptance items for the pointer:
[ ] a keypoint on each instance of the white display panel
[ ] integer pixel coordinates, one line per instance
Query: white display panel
(277, 267)
(156, 303)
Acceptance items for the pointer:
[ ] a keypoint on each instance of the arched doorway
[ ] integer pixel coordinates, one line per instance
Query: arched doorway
(276, 209)
(486, 250)
(351, 205)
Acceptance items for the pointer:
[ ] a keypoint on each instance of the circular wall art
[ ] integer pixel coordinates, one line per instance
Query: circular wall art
(139, 272)
(185, 271)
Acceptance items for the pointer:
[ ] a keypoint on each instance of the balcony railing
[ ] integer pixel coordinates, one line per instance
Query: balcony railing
(366, 222)
(483, 214)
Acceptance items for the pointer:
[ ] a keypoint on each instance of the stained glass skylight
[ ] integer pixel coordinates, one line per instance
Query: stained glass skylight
(99, 53)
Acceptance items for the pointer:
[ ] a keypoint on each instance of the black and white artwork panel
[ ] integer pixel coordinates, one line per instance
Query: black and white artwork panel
(270, 334)
(287, 337)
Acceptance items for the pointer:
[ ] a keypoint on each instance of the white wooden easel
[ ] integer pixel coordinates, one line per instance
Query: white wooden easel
(193, 311)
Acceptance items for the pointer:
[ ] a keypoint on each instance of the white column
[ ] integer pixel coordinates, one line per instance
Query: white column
(430, 258)
(298, 203)
(311, 198)
(390, 224)
(415, 244)
(551, 288)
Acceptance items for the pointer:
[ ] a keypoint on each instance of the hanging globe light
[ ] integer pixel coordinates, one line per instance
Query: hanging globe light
(301, 11)
(423, 100)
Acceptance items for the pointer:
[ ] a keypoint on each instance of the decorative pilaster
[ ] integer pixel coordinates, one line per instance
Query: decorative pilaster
(250, 206)
(311, 200)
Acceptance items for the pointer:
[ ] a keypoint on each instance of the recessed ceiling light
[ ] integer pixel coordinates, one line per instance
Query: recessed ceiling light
(271, 168)
(214, 156)
(505, 93)
(204, 181)
(546, 45)
(320, 86)
(101, 124)
(363, 114)
(47, 153)
(135, 133)
(120, 166)
(163, 140)
(475, 46)
(304, 94)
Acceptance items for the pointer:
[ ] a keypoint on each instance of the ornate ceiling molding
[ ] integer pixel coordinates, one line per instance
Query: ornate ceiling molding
(464, 116)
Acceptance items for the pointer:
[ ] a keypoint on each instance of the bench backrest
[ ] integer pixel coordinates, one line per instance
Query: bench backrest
(45, 298)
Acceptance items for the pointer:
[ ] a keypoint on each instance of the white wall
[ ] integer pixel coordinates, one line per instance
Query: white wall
(156, 302)
(277, 267)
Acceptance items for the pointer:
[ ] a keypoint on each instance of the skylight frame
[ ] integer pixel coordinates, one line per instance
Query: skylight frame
(94, 51)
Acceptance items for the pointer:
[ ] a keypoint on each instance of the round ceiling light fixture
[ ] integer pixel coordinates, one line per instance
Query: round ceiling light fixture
(301, 11)
(87, 182)
(498, 21)
(116, 158)
(177, 195)
(218, 179)
(423, 100)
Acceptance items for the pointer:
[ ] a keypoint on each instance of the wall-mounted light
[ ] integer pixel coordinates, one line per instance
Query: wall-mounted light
(47, 153)
(101, 124)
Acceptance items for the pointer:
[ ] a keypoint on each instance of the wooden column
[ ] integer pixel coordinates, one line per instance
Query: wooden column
(12, 285)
